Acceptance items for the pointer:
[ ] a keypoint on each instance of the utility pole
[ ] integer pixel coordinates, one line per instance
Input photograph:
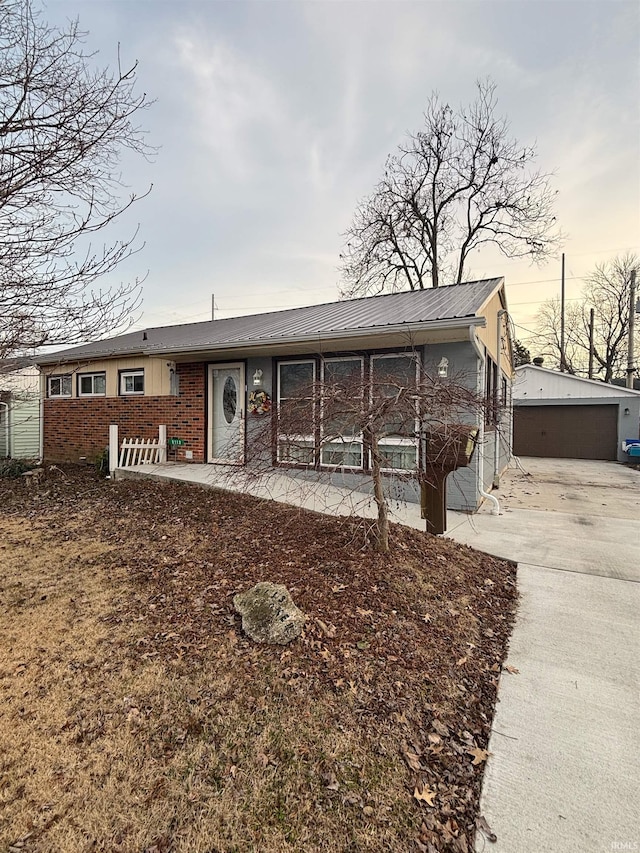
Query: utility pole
(591, 319)
(562, 319)
(632, 323)
(213, 307)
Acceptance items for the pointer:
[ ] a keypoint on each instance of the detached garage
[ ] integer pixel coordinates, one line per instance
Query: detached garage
(562, 416)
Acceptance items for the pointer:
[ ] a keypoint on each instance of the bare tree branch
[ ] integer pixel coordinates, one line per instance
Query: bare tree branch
(63, 127)
(607, 291)
(458, 184)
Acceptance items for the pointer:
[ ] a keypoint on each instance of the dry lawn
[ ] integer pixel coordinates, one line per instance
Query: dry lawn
(136, 716)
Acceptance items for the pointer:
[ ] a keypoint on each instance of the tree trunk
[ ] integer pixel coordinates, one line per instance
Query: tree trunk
(382, 523)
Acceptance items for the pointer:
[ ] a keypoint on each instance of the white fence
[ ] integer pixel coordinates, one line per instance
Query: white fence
(136, 451)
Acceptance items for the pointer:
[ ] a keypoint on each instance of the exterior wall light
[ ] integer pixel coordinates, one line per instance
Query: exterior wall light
(257, 377)
(443, 368)
(627, 411)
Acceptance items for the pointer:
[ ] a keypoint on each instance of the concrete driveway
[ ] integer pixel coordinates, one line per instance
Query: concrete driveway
(563, 777)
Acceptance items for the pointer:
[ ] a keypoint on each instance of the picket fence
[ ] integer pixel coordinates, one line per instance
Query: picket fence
(136, 451)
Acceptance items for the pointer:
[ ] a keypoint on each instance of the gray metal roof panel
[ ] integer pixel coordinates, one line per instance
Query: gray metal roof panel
(453, 302)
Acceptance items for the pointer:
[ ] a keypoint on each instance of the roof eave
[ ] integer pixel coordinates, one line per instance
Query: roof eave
(325, 337)
(318, 337)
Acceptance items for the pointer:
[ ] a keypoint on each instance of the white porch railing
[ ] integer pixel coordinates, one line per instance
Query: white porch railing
(136, 451)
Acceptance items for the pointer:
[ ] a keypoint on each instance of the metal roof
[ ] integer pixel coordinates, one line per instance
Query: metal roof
(375, 314)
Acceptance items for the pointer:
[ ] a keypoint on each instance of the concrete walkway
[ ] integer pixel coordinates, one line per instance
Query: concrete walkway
(564, 773)
(564, 776)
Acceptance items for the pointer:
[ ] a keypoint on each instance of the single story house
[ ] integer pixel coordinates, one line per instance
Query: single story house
(212, 383)
(19, 410)
(563, 416)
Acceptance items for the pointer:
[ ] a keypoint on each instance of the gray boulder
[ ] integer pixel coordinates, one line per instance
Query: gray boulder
(269, 614)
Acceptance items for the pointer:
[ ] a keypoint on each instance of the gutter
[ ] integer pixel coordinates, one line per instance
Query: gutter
(481, 383)
(212, 346)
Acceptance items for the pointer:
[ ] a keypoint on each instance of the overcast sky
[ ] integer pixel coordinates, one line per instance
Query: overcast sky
(274, 118)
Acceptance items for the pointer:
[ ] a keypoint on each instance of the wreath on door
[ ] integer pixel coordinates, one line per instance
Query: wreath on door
(259, 402)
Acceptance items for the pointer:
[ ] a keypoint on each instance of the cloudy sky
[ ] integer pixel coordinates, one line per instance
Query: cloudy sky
(273, 118)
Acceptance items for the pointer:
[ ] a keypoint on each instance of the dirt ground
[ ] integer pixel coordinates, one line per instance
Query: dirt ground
(136, 716)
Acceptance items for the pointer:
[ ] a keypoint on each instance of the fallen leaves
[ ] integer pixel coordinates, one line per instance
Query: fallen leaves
(418, 698)
(479, 755)
(512, 670)
(329, 630)
(412, 759)
(424, 794)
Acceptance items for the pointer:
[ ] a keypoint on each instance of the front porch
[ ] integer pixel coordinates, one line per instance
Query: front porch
(290, 487)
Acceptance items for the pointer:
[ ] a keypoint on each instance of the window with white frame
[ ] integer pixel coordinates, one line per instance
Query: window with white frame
(92, 384)
(342, 395)
(397, 428)
(132, 382)
(296, 441)
(59, 386)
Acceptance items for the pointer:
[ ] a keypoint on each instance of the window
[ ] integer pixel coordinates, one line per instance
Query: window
(59, 386)
(397, 428)
(491, 393)
(132, 382)
(323, 424)
(296, 412)
(92, 384)
(342, 390)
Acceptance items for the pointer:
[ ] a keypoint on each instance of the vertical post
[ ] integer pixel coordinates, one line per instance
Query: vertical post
(162, 441)
(562, 318)
(433, 502)
(213, 306)
(113, 448)
(632, 323)
(591, 322)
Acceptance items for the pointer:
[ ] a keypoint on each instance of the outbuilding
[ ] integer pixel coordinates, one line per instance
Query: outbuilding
(567, 417)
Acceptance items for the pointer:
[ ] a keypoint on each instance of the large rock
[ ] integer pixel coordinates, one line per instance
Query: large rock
(269, 614)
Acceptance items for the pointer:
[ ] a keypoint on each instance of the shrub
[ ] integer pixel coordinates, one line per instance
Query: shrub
(14, 467)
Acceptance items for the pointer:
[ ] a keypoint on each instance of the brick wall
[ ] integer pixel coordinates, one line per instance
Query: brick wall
(80, 427)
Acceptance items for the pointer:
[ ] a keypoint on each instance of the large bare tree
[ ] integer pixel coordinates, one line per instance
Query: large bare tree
(64, 124)
(456, 185)
(607, 291)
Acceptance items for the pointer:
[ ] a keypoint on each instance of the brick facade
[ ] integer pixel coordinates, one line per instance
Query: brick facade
(80, 427)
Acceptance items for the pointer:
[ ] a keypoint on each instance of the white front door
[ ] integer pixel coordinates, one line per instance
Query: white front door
(226, 413)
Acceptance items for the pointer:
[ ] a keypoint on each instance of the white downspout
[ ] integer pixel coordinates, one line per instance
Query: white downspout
(481, 383)
(43, 390)
(6, 427)
(496, 449)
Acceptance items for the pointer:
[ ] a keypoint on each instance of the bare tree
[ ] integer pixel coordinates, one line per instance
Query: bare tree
(459, 183)
(63, 127)
(607, 291)
(395, 423)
